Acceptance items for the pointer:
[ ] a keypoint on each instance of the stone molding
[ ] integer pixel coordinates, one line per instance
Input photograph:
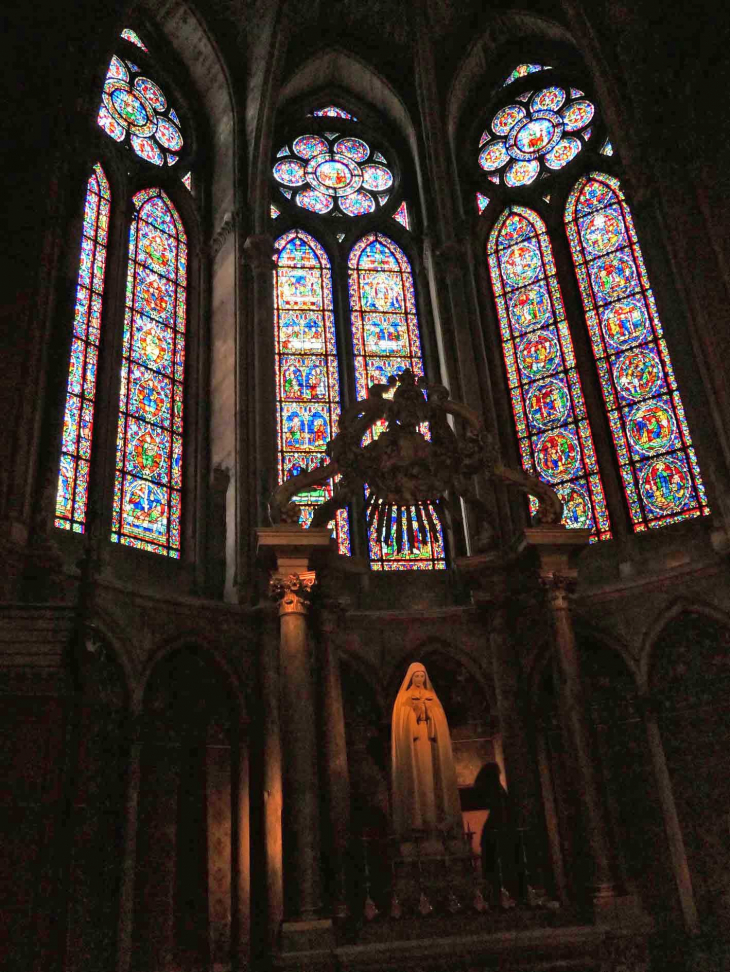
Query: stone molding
(293, 592)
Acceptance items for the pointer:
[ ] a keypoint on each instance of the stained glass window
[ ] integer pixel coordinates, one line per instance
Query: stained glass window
(522, 70)
(148, 478)
(328, 174)
(401, 215)
(136, 110)
(332, 111)
(133, 38)
(554, 434)
(539, 137)
(386, 340)
(307, 378)
(78, 418)
(659, 469)
(482, 202)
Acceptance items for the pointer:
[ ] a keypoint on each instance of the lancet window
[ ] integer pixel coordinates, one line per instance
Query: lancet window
(78, 419)
(148, 479)
(539, 129)
(344, 181)
(659, 468)
(307, 373)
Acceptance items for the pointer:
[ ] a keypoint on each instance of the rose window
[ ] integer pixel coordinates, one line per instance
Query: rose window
(135, 107)
(539, 135)
(329, 174)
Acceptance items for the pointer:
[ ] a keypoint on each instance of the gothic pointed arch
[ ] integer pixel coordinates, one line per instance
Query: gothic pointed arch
(78, 419)
(386, 339)
(307, 369)
(659, 468)
(553, 430)
(148, 480)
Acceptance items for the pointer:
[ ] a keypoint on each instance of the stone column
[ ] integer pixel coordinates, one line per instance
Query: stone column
(258, 255)
(273, 783)
(557, 548)
(672, 826)
(551, 816)
(129, 851)
(291, 586)
(336, 769)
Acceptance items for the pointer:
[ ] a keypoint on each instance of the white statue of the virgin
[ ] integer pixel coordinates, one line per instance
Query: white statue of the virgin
(425, 794)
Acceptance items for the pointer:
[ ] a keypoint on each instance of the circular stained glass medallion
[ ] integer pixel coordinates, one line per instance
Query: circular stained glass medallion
(665, 484)
(521, 173)
(625, 323)
(168, 135)
(603, 231)
(577, 512)
(147, 150)
(547, 403)
(353, 148)
(493, 156)
(152, 92)
(536, 136)
(613, 276)
(529, 308)
(376, 177)
(549, 98)
(307, 146)
(290, 172)
(314, 201)
(638, 374)
(557, 455)
(577, 115)
(334, 175)
(521, 264)
(129, 108)
(651, 427)
(504, 120)
(538, 355)
(358, 204)
(563, 152)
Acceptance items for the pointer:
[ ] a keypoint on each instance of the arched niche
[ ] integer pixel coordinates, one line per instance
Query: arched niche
(636, 827)
(689, 683)
(335, 70)
(188, 823)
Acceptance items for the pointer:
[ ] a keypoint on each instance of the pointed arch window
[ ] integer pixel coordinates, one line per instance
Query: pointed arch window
(307, 375)
(78, 418)
(386, 339)
(555, 439)
(659, 469)
(148, 479)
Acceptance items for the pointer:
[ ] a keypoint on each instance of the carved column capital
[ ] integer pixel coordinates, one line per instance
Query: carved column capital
(293, 592)
(559, 588)
(258, 251)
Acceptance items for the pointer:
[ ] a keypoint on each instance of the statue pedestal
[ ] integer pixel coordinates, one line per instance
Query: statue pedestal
(434, 874)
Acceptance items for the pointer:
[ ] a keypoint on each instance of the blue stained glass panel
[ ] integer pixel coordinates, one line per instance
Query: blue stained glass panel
(386, 340)
(307, 373)
(73, 474)
(659, 468)
(147, 491)
(552, 427)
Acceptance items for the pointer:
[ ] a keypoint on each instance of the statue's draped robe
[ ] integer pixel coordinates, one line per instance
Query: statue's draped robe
(425, 794)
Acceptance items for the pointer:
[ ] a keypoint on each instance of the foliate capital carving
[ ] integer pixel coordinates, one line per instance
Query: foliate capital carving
(294, 592)
(258, 253)
(559, 588)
